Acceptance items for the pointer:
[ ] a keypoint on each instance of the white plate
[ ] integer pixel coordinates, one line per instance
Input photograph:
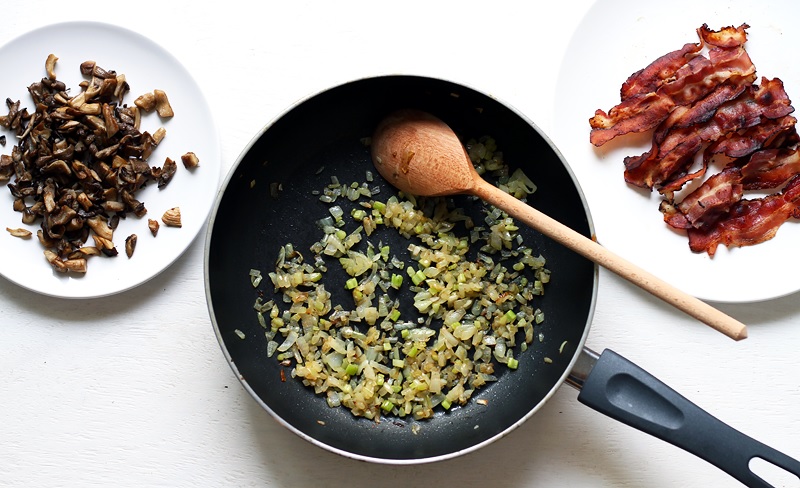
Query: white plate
(146, 67)
(619, 37)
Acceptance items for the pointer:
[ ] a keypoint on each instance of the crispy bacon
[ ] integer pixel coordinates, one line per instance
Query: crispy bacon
(712, 200)
(636, 114)
(707, 111)
(673, 150)
(708, 203)
(701, 75)
(701, 111)
(648, 79)
(767, 101)
(726, 37)
(752, 139)
(749, 221)
(695, 77)
(770, 168)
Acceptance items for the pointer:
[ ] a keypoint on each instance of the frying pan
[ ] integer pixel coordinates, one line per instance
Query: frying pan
(269, 200)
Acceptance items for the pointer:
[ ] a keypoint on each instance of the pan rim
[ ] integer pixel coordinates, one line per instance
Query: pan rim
(375, 459)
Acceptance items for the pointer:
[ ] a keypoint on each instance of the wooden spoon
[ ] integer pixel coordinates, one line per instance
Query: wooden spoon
(419, 154)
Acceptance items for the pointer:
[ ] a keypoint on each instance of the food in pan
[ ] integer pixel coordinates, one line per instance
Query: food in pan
(80, 160)
(711, 111)
(474, 288)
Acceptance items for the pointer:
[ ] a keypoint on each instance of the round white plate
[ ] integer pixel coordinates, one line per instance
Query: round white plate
(146, 67)
(617, 38)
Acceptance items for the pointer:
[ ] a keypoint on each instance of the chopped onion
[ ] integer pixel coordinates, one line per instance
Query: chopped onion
(471, 313)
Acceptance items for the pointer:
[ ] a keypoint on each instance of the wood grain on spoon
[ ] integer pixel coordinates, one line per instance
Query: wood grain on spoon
(419, 154)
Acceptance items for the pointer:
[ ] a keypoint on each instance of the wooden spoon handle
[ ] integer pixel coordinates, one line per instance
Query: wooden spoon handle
(605, 258)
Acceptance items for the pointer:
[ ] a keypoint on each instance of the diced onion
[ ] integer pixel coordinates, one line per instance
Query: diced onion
(472, 313)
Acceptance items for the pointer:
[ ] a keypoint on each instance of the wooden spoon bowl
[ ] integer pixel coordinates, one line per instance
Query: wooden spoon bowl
(421, 155)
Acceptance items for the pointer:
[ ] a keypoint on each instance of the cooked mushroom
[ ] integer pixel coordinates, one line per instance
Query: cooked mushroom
(166, 173)
(172, 217)
(80, 160)
(153, 226)
(159, 135)
(190, 160)
(130, 244)
(112, 126)
(146, 102)
(163, 108)
(23, 233)
(86, 251)
(100, 227)
(77, 265)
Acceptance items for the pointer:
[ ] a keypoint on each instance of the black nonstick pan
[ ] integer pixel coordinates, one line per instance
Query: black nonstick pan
(269, 200)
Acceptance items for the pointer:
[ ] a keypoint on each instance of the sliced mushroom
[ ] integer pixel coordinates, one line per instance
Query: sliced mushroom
(163, 108)
(146, 102)
(87, 67)
(100, 227)
(190, 160)
(166, 173)
(77, 265)
(50, 66)
(23, 233)
(112, 126)
(80, 160)
(159, 135)
(106, 246)
(90, 109)
(121, 88)
(87, 251)
(172, 217)
(130, 244)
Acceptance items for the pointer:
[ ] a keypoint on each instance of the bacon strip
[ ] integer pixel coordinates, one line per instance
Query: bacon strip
(710, 106)
(767, 101)
(712, 200)
(750, 221)
(701, 75)
(683, 118)
(770, 168)
(636, 114)
(666, 163)
(693, 79)
(651, 77)
(726, 37)
(708, 203)
(742, 143)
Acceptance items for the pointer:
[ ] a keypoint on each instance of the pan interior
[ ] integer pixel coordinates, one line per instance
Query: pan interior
(321, 137)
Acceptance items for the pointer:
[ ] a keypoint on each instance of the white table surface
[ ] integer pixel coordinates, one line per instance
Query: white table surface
(133, 390)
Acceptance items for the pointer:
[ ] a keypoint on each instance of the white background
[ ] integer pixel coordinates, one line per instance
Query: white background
(133, 390)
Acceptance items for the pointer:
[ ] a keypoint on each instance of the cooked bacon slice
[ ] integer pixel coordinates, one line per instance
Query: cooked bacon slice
(701, 75)
(667, 162)
(693, 79)
(700, 108)
(707, 203)
(726, 37)
(767, 101)
(651, 77)
(711, 201)
(684, 117)
(770, 168)
(741, 144)
(636, 114)
(749, 221)
(701, 111)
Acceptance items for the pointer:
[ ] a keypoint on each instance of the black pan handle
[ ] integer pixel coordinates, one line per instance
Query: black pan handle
(616, 387)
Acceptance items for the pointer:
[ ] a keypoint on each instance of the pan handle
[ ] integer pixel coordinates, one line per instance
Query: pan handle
(618, 388)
